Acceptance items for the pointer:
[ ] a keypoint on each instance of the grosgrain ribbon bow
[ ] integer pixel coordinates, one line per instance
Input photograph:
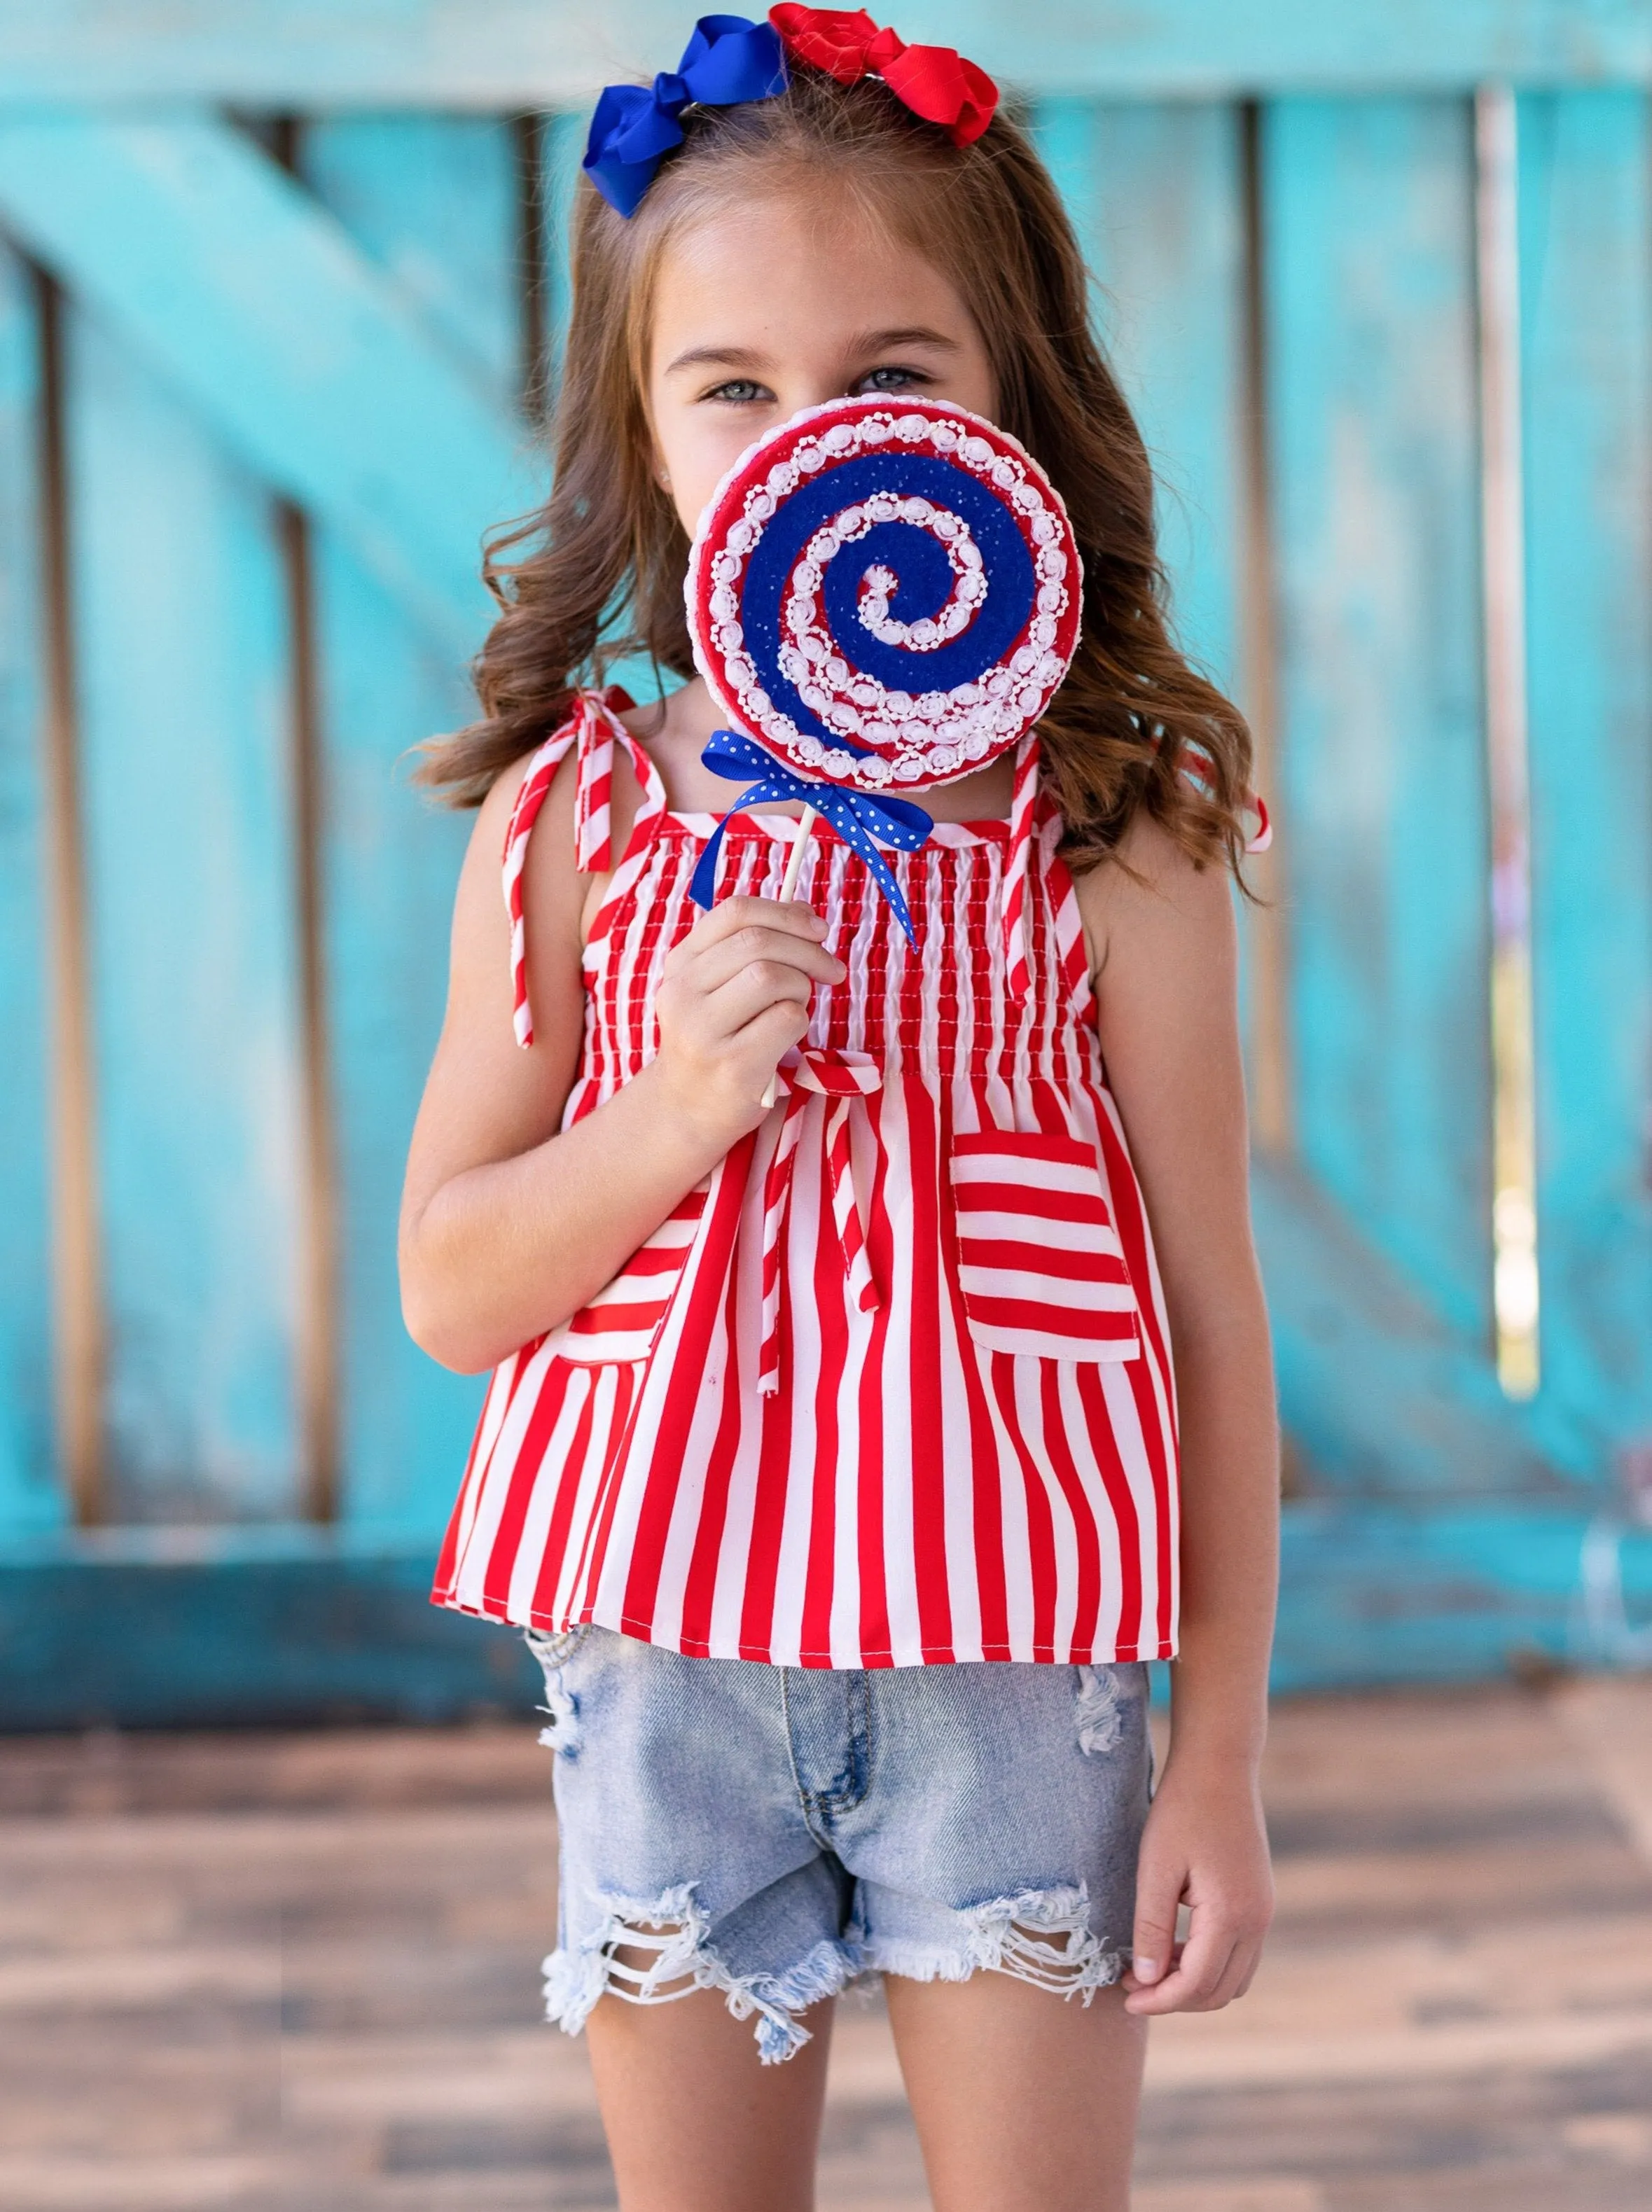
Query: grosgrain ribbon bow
(936, 82)
(852, 814)
(726, 61)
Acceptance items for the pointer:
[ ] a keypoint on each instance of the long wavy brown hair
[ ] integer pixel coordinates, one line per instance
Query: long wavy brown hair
(597, 574)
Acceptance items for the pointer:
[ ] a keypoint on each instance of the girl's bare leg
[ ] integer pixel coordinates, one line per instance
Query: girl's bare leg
(1026, 2101)
(695, 2122)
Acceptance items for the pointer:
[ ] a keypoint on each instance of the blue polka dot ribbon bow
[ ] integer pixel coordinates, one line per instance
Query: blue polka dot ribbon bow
(853, 814)
(727, 61)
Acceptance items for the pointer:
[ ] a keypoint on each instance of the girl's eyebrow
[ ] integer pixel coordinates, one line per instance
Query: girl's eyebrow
(908, 334)
(869, 342)
(718, 357)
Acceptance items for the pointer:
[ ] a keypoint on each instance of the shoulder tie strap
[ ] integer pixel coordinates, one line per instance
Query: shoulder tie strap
(1017, 893)
(592, 831)
(1193, 771)
(593, 727)
(1017, 958)
(1064, 925)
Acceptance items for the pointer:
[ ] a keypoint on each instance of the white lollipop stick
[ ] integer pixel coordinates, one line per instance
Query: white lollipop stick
(794, 862)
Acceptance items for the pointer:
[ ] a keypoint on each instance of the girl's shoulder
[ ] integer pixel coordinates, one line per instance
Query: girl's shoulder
(1149, 891)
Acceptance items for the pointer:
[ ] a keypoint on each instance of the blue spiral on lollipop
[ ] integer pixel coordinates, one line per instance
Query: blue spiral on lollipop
(877, 619)
(914, 556)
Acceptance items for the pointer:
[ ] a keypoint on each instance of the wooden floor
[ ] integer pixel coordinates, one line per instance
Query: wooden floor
(300, 1972)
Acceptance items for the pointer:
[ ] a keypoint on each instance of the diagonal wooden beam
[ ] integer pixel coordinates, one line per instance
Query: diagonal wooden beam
(257, 306)
(508, 54)
(1380, 1394)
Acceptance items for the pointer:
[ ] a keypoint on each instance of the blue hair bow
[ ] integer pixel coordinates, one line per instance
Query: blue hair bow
(728, 60)
(852, 814)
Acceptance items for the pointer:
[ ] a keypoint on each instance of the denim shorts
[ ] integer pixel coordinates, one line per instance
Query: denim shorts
(774, 1832)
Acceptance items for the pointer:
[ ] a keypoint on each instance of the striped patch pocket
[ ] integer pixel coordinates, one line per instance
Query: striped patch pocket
(620, 1322)
(1040, 1263)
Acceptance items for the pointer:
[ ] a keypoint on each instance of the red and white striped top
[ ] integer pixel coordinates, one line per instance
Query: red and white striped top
(893, 1387)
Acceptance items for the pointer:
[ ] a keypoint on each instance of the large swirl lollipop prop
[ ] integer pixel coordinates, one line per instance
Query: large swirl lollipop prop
(883, 596)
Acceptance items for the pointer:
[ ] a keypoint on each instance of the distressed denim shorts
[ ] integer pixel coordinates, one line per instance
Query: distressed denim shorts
(774, 1832)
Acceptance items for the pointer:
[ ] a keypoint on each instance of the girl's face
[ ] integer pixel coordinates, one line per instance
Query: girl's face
(759, 311)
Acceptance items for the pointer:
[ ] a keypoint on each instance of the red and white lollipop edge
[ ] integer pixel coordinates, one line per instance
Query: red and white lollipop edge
(997, 570)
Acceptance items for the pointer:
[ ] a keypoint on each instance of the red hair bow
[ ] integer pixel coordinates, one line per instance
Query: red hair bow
(934, 81)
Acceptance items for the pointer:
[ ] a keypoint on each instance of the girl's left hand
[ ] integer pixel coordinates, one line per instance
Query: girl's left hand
(1205, 1846)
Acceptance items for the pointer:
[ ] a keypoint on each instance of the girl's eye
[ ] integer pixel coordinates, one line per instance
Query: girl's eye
(739, 392)
(890, 379)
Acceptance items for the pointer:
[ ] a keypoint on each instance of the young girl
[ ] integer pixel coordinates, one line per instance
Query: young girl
(842, 1603)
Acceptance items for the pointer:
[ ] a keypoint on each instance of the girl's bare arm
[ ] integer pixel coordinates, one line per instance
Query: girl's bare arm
(508, 1226)
(1166, 944)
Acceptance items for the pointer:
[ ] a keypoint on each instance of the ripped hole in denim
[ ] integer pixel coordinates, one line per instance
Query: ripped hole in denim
(652, 1951)
(1098, 1711)
(561, 1706)
(1043, 1936)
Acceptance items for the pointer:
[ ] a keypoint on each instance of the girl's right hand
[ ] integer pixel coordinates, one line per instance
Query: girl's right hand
(734, 997)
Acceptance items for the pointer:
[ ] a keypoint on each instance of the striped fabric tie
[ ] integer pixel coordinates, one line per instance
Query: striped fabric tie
(592, 729)
(592, 732)
(843, 1077)
(592, 845)
(1017, 958)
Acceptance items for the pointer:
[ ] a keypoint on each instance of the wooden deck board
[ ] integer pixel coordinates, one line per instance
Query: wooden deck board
(285, 1972)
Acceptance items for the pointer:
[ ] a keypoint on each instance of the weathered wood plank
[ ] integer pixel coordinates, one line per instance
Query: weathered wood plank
(561, 147)
(389, 863)
(305, 360)
(240, 1626)
(1379, 1395)
(418, 194)
(1155, 191)
(30, 1496)
(1373, 1592)
(1372, 404)
(435, 202)
(182, 649)
(1587, 281)
(507, 53)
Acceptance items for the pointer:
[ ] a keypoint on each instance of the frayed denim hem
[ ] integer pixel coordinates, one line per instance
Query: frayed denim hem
(1042, 1936)
(775, 1998)
(673, 1927)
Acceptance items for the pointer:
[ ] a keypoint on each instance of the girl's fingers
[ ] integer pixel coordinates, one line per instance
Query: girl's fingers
(770, 1033)
(1235, 1980)
(730, 915)
(1251, 1955)
(751, 991)
(1191, 1984)
(1211, 1968)
(1158, 1893)
(753, 945)
(736, 992)
(1233, 1983)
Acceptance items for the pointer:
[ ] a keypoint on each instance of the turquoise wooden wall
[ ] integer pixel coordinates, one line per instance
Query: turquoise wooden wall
(274, 286)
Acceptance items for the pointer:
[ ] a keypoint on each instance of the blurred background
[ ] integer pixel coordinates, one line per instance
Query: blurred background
(283, 285)
(282, 295)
